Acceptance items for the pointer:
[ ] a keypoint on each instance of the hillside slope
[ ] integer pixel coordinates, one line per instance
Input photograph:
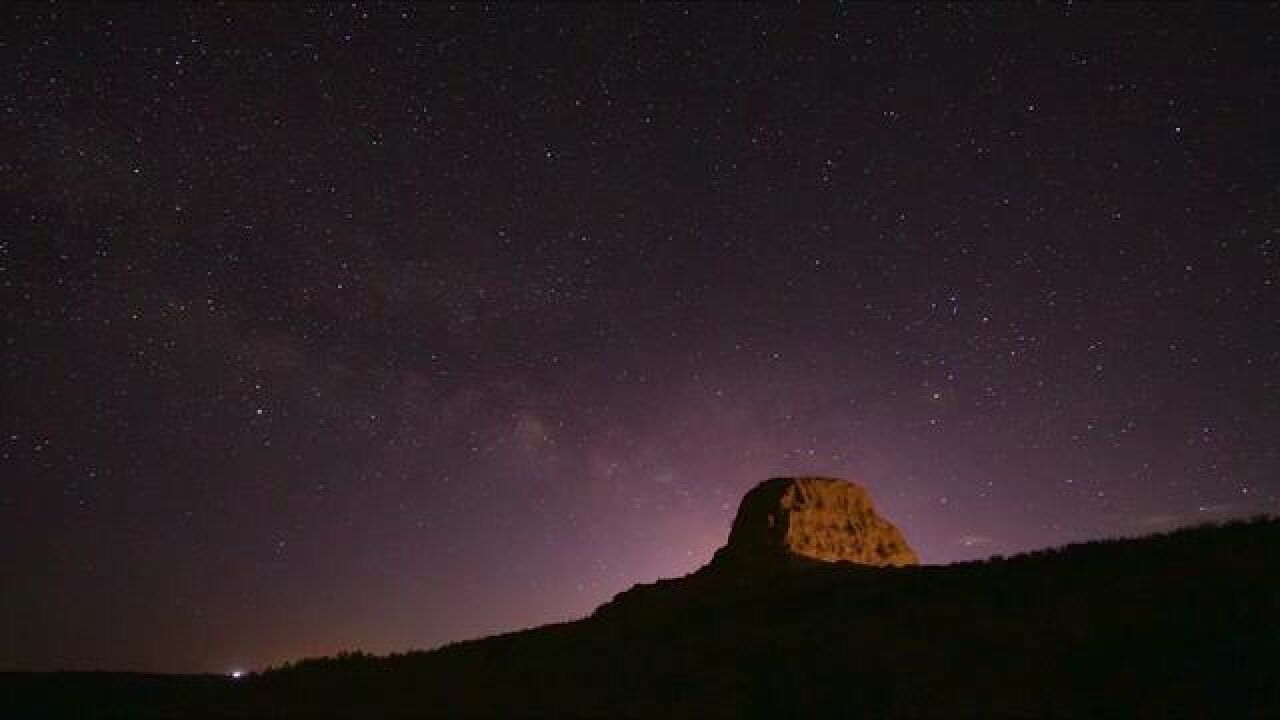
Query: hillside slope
(1184, 624)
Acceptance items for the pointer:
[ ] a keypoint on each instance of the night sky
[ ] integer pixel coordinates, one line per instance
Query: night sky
(376, 327)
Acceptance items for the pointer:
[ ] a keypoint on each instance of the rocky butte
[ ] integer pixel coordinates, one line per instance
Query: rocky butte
(817, 518)
(784, 525)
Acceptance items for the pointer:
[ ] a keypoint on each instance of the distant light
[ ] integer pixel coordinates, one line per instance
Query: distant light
(237, 674)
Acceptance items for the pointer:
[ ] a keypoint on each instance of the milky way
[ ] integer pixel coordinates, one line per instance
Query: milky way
(377, 327)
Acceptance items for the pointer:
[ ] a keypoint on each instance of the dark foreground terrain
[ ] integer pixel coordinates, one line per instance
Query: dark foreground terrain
(1185, 624)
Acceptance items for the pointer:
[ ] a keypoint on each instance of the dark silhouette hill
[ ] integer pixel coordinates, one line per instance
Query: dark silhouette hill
(1183, 624)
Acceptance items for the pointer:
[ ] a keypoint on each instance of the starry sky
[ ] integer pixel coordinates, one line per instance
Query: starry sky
(378, 326)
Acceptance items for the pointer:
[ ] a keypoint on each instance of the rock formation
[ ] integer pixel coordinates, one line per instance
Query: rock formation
(816, 518)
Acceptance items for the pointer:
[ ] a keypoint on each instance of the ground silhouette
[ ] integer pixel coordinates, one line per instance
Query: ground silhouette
(1183, 624)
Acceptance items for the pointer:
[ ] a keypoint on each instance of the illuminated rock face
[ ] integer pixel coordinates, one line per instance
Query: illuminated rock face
(818, 518)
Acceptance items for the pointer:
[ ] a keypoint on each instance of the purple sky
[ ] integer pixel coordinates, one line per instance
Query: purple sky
(378, 327)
